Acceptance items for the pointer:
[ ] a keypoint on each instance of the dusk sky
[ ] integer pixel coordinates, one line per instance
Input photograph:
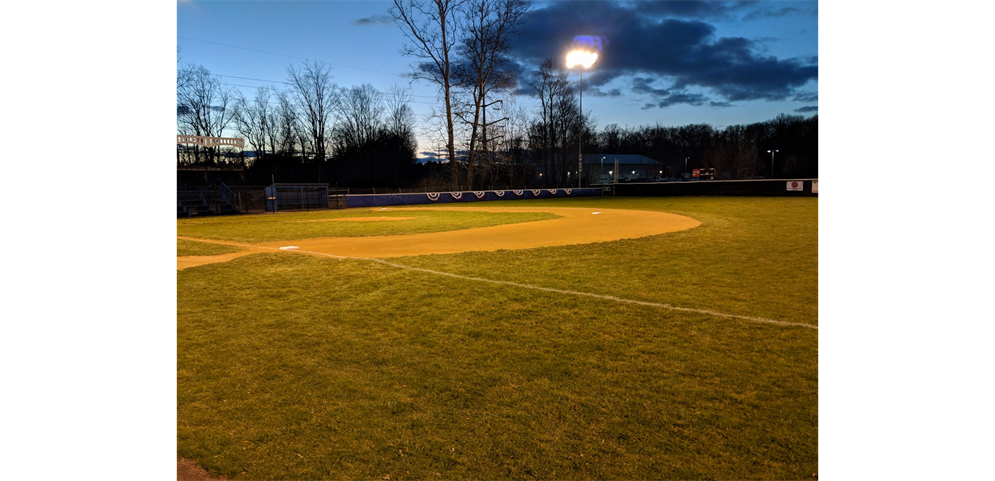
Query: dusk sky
(663, 62)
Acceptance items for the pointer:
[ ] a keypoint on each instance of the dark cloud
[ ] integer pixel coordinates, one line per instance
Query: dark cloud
(667, 97)
(374, 20)
(641, 85)
(601, 77)
(642, 40)
(602, 93)
(683, 98)
(687, 9)
(806, 97)
(807, 108)
(772, 13)
(675, 98)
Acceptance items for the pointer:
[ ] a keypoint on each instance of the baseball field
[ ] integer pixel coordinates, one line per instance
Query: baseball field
(590, 338)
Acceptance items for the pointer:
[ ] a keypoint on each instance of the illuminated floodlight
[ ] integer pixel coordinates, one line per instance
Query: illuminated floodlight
(586, 59)
(581, 57)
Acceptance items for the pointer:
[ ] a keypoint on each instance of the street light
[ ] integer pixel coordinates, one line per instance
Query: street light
(585, 59)
(771, 152)
(686, 166)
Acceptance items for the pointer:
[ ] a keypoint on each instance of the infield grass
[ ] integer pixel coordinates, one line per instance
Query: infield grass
(193, 248)
(299, 367)
(332, 223)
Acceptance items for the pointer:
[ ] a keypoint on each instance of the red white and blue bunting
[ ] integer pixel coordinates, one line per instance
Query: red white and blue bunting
(482, 194)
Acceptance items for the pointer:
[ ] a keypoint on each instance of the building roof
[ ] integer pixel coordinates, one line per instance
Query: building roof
(623, 159)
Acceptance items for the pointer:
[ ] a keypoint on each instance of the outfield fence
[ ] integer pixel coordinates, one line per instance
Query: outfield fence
(759, 188)
(376, 200)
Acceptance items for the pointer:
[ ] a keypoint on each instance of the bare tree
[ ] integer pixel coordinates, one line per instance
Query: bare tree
(400, 117)
(373, 138)
(431, 29)
(286, 127)
(252, 119)
(569, 121)
(484, 60)
(742, 152)
(611, 139)
(554, 93)
(360, 114)
(203, 106)
(315, 94)
(399, 132)
(513, 144)
(182, 77)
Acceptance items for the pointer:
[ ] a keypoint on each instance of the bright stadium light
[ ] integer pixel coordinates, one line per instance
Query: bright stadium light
(581, 57)
(584, 59)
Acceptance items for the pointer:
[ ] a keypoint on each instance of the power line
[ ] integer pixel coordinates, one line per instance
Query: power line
(288, 83)
(291, 56)
(299, 58)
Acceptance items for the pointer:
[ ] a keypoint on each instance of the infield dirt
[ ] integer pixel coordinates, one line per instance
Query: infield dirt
(575, 225)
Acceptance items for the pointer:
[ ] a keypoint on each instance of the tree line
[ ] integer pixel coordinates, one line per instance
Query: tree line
(313, 130)
(362, 137)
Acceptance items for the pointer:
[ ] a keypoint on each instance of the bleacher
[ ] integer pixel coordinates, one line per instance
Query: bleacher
(215, 199)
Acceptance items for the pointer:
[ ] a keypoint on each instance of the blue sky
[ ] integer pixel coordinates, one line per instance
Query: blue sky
(667, 63)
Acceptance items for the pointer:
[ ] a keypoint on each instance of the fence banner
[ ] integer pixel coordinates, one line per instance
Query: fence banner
(371, 200)
(815, 186)
(796, 186)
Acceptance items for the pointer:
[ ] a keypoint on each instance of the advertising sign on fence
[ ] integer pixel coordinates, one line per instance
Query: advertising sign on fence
(815, 186)
(796, 185)
(695, 173)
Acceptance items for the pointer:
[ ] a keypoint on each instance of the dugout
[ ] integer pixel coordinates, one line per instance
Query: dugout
(296, 197)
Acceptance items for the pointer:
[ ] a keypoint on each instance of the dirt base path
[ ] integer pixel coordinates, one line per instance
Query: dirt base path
(188, 470)
(576, 225)
(194, 261)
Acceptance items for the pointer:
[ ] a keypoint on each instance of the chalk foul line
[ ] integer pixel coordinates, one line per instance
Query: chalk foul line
(762, 320)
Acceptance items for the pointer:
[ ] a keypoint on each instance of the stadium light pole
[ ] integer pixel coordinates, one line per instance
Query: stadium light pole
(585, 60)
(771, 152)
(686, 165)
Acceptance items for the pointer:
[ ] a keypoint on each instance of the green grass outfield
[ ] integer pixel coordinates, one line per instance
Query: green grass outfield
(300, 367)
